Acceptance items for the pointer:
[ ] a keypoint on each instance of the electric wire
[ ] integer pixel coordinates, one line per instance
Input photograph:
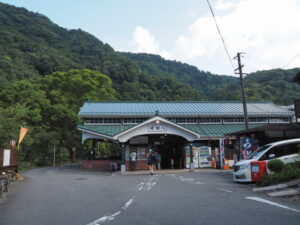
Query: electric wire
(212, 12)
(295, 56)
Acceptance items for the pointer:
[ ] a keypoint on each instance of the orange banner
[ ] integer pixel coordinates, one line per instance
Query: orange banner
(23, 132)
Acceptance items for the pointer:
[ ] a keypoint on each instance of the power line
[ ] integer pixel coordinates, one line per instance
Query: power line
(295, 56)
(212, 12)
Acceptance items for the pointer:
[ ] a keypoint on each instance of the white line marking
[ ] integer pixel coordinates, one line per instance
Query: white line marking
(222, 189)
(127, 204)
(141, 187)
(116, 214)
(272, 203)
(199, 182)
(103, 219)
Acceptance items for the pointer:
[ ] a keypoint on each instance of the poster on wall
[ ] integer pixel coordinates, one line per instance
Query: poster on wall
(247, 147)
(204, 157)
(6, 157)
(141, 153)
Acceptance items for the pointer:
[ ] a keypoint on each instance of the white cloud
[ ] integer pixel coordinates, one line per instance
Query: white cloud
(267, 30)
(144, 41)
(222, 5)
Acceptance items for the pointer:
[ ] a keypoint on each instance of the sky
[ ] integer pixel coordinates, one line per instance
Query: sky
(267, 31)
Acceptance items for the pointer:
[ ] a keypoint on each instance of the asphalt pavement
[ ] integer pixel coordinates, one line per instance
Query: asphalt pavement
(54, 196)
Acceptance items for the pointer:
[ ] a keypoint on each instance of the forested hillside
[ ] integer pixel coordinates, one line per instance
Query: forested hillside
(271, 85)
(31, 45)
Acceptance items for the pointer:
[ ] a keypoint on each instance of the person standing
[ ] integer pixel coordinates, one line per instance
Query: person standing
(151, 160)
(132, 160)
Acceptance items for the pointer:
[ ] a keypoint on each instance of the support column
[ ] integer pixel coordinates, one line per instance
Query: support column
(123, 159)
(192, 167)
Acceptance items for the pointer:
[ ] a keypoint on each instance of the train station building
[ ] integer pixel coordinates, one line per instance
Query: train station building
(185, 134)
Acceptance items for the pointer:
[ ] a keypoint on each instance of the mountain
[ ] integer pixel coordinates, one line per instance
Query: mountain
(32, 46)
(272, 85)
(209, 85)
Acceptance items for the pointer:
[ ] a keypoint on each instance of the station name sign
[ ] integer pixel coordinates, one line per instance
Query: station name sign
(157, 128)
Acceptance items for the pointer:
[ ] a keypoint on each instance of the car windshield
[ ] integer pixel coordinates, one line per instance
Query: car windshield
(258, 152)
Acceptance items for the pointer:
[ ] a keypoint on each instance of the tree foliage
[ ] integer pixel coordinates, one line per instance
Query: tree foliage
(48, 106)
(32, 46)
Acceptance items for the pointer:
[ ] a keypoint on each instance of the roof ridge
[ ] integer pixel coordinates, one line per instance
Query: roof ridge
(151, 102)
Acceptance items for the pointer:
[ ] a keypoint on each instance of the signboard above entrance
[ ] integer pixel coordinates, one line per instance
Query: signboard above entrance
(139, 140)
(157, 128)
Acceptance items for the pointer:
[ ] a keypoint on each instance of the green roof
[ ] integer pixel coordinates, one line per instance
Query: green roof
(217, 130)
(107, 130)
(199, 108)
(204, 130)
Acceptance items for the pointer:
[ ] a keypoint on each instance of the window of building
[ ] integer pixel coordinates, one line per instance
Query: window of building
(134, 120)
(233, 119)
(111, 120)
(140, 120)
(183, 120)
(170, 118)
(258, 119)
(102, 121)
(279, 120)
(192, 120)
(180, 120)
(129, 121)
(210, 120)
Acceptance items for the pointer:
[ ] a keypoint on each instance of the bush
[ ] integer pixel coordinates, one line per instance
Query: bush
(290, 171)
(275, 165)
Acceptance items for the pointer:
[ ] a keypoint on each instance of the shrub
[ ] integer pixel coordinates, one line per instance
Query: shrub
(275, 165)
(290, 171)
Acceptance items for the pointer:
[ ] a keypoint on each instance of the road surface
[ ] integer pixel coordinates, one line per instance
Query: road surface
(51, 196)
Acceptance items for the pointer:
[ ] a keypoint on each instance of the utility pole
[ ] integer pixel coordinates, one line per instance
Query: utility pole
(238, 57)
(54, 151)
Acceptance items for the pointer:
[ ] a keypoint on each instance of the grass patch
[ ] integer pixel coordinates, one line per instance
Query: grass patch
(23, 166)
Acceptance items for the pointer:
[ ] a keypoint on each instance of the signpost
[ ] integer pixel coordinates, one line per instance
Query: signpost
(6, 157)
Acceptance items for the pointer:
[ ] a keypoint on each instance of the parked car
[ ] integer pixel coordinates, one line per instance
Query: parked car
(288, 151)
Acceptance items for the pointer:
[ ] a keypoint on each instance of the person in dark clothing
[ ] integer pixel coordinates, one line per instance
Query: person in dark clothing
(151, 161)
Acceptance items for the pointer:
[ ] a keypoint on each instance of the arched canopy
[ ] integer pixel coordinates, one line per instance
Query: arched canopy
(157, 125)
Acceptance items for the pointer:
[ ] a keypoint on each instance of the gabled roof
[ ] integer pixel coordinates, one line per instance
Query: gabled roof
(197, 108)
(107, 130)
(206, 131)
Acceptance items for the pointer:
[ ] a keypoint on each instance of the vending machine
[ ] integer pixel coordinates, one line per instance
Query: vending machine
(201, 156)
(204, 157)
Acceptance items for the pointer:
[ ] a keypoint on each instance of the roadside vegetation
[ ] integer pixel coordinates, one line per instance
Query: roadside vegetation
(282, 173)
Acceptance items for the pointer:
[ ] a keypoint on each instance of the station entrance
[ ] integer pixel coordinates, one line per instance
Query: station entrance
(171, 150)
